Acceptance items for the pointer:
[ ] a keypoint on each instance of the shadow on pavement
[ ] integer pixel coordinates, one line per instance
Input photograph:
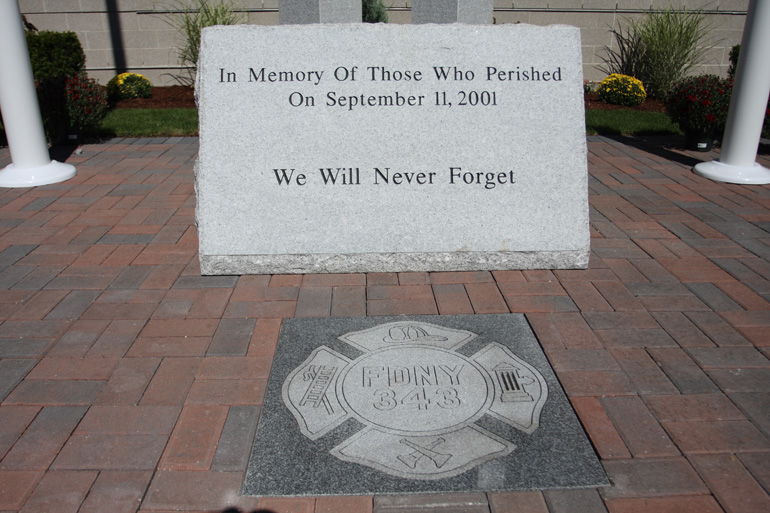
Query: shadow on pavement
(61, 152)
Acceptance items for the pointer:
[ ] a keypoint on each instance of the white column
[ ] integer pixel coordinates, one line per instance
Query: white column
(21, 112)
(300, 12)
(477, 12)
(737, 162)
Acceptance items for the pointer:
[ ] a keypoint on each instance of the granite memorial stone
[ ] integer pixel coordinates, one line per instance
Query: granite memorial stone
(363, 148)
(415, 404)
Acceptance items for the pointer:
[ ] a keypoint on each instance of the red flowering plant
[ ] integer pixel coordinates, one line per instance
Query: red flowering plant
(699, 104)
(86, 102)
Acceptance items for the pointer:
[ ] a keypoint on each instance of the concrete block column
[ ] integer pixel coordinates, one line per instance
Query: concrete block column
(21, 113)
(478, 12)
(302, 12)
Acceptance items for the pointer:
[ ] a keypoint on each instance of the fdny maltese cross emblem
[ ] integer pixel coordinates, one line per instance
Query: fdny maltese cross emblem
(418, 398)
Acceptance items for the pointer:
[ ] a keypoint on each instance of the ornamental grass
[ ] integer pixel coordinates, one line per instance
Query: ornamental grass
(190, 20)
(660, 48)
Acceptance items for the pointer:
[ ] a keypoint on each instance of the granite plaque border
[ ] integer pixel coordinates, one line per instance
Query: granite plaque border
(552, 453)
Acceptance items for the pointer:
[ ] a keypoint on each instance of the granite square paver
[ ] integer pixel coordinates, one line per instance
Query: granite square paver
(415, 404)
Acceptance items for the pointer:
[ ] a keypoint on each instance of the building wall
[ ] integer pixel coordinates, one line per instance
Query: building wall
(135, 35)
(596, 17)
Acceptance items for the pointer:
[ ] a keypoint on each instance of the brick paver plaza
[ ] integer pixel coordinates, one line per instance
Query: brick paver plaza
(130, 382)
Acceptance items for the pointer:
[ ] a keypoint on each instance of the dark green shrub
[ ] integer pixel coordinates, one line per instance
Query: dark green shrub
(129, 85)
(55, 55)
(374, 11)
(735, 52)
(86, 103)
(53, 108)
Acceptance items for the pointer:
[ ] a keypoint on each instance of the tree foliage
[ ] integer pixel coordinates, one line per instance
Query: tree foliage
(374, 11)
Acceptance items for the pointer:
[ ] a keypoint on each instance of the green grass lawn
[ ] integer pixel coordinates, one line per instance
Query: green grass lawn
(182, 122)
(628, 122)
(150, 123)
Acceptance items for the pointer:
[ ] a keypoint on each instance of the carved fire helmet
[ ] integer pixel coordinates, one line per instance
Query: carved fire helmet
(410, 333)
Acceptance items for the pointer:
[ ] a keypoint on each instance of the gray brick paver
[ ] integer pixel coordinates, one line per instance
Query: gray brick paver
(714, 352)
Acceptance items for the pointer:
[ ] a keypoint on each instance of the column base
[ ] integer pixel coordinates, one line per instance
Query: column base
(721, 172)
(55, 172)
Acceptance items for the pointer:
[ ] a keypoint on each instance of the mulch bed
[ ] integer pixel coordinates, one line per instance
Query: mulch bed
(649, 105)
(170, 97)
(182, 97)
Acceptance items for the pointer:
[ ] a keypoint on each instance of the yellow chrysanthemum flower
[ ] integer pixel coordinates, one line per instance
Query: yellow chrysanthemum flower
(620, 89)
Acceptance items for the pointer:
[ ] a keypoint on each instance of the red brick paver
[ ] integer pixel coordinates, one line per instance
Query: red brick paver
(128, 382)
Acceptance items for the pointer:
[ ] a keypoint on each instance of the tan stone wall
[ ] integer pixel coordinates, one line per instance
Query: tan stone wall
(150, 45)
(596, 17)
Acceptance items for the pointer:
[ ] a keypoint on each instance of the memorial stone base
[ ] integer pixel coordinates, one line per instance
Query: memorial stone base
(415, 405)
